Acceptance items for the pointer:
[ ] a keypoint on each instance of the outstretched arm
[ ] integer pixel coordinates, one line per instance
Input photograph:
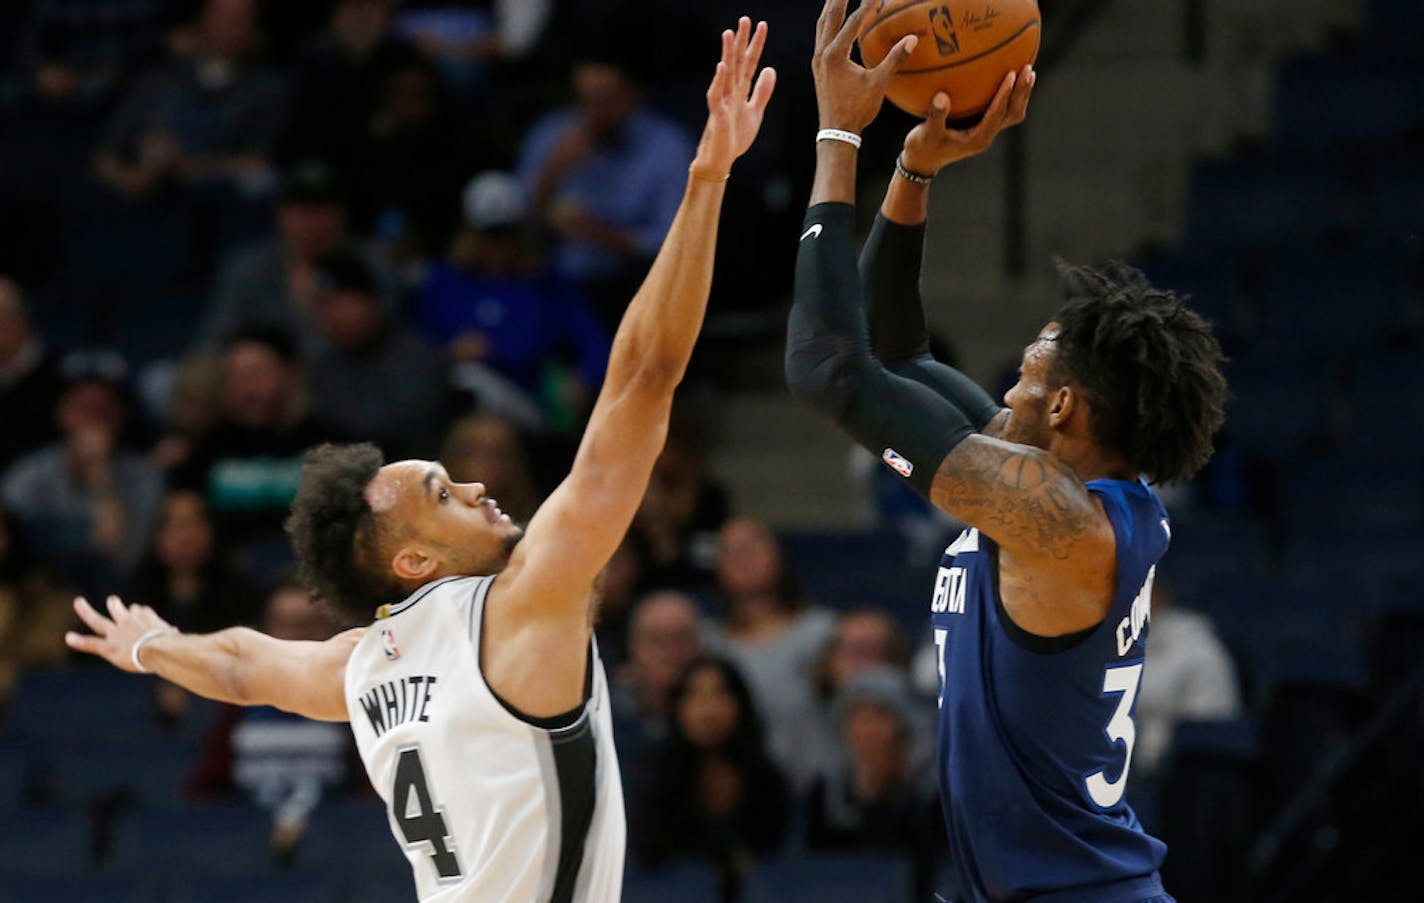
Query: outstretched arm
(576, 531)
(238, 665)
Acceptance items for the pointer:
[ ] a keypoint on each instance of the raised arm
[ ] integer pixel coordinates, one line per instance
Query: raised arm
(238, 665)
(576, 531)
(1031, 505)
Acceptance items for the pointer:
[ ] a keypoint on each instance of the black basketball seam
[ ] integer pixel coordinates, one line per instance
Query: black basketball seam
(875, 23)
(980, 55)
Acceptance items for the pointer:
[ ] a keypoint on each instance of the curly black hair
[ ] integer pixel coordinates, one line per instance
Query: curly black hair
(336, 534)
(1149, 366)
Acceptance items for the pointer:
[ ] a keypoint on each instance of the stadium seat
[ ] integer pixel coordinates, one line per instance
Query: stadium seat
(1209, 279)
(1394, 210)
(72, 889)
(214, 840)
(14, 775)
(1261, 203)
(380, 890)
(839, 879)
(52, 836)
(686, 882)
(1342, 100)
(288, 888)
(353, 835)
(150, 771)
(1317, 299)
(89, 704)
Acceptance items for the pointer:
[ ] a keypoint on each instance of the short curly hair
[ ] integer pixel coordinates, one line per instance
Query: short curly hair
(1149, 366)
(336, 534)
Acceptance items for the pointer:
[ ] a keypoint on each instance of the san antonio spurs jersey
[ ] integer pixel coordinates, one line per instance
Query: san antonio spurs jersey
(487, 805)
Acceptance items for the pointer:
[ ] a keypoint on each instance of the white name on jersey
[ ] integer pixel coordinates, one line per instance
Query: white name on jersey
(398, 701)
(1131, 627)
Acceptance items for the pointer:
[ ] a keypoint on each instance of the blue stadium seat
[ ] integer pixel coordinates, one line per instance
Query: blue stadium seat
(1394, 209)
(1247, 203)
(14, 775)
(353, 835)
(287, 888)
(1208, 278)
(1388, 407)
(846, 569)
(149, 770)
(686, 882)
(93, 703)
(1345, 495)
(54, 840)
(74, 889)
(1205, 554)
(1342, 100)
(839, 879)
(1279, 407)
(211, 840)
(1343, 300)
(380, 890)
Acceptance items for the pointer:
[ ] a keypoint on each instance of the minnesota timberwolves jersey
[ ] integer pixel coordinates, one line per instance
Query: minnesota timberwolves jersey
(487, 805)
(1036, 735)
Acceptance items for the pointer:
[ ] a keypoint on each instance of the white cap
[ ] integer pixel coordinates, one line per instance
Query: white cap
(493, 199)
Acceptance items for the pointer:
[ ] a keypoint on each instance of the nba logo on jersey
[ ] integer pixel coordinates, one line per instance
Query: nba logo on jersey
(898, 462)
(388, 644)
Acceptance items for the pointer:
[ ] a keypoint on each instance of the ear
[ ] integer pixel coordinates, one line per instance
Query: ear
(413, 563)
(1060, 410)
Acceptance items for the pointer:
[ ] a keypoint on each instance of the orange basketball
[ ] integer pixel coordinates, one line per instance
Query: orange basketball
(966, 48)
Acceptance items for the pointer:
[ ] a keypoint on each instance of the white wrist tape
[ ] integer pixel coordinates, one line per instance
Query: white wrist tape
(842, 135)
(138, 645)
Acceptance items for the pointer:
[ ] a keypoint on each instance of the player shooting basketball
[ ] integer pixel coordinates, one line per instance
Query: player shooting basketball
(478, 703)
(1041, 607)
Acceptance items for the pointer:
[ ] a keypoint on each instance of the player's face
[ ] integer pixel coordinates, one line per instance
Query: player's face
(457, 524)
(1031, 397)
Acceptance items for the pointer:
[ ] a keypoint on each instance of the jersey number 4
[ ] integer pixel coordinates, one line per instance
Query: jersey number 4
(1124, 681)
(420, 820)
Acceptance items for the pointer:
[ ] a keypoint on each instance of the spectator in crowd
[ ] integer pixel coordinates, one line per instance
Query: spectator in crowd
(30, 382)
(678, 525)
(212, 116)
(464, 37)
(664, 636)
(85, 500)
(494, 303)
(774, 638)
(274, 281)
(619, 588)
(339, 79)
(490, 450)
(191, 407)
(1191, 678)
(606, 174)
(711, 789)
(407, 168)
(34, 611)
(86, 46)
(283, 762)
(864, 638)
(184, 577)
(875, 795)
(248, 465)
(373, 379)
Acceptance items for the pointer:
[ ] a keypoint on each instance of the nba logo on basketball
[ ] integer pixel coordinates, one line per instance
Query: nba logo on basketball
(942, 25)
(898, 462)
(388, 644)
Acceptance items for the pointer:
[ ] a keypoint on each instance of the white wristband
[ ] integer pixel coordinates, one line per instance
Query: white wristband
(139, 643)
(842, 135)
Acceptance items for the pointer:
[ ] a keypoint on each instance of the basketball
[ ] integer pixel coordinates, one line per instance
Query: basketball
(966, 48)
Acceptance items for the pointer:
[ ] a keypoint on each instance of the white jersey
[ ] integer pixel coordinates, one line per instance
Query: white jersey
(487, 805)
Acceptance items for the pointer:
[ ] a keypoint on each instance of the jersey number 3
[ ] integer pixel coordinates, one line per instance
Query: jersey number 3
(420, 820)
(1123, 680)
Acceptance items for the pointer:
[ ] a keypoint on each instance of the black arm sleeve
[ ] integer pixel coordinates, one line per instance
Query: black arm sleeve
(829, 365)
(890, 277)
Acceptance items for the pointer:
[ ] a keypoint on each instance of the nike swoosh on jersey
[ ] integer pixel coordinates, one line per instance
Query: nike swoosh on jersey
(812, 232)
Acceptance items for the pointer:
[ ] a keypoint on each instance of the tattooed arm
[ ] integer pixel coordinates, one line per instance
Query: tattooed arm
(1057, 547)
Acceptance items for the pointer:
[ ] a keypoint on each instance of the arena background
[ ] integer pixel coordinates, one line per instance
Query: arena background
(178, 179)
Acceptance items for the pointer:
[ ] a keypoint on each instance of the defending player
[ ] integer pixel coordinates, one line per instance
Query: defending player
(1040, 609)
(478, 703)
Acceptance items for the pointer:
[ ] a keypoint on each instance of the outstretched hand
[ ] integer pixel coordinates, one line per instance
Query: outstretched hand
(848, 95)
(735, 106)
(933, 145)
(114, 637)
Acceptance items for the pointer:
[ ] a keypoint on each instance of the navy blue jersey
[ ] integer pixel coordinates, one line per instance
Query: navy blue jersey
(1036, 734)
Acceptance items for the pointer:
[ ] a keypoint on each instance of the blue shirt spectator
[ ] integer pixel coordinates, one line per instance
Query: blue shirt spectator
(607, 174)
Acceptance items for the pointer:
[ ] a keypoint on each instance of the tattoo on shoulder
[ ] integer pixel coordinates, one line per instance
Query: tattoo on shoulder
(1015, 495)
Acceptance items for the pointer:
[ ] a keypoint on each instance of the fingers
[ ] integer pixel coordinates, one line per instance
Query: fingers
(761, 92)
(91, 618)
(82, 643)
(1023, 91)
(938, 113)
(849, 32)
(993, 121)
(896, 57)
(828, 25)
(716, 92)
(752, 56)
(116, 608)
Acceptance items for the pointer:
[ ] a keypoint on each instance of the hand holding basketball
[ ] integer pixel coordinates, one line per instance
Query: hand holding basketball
(735, 106)
(849, 95)
(933, 145)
